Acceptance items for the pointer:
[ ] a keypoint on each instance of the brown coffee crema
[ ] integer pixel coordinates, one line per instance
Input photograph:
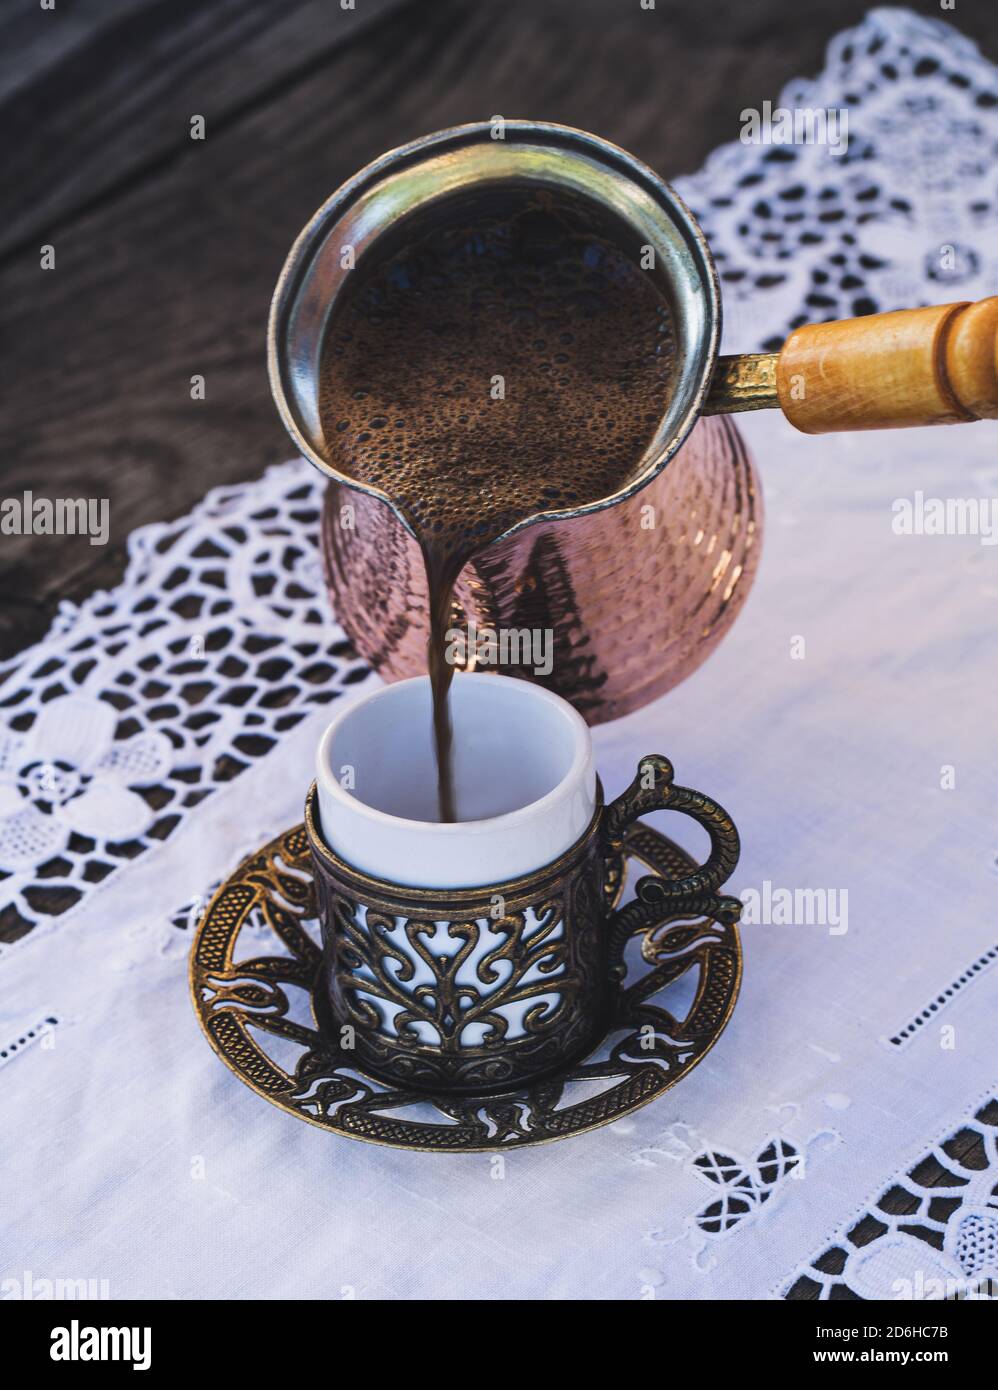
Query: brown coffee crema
(490, 370)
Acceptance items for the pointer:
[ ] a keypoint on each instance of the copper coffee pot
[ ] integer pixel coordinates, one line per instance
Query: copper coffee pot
(639, 587)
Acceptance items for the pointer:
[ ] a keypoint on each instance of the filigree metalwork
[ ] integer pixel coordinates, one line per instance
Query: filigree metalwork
(465, 990)
(474, 990)
(642, 1051)
(653, 789)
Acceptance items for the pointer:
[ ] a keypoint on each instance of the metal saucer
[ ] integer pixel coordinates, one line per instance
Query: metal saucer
(251, 1006)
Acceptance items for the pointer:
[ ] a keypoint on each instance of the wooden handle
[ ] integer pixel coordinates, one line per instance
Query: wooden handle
(935, 366)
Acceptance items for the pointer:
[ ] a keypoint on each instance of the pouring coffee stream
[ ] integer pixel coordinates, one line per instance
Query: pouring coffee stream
(481, 375)
(428, 505)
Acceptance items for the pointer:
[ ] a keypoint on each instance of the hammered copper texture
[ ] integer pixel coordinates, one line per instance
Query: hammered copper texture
(637, 595)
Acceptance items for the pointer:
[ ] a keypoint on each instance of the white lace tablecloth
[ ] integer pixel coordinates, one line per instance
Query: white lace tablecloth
(165, 729)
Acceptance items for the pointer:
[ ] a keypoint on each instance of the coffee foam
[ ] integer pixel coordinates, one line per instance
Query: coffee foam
(489, 371)
(580, 336)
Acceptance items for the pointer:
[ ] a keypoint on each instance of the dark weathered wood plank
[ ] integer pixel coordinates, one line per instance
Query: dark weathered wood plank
(32, 40)
(119, 97)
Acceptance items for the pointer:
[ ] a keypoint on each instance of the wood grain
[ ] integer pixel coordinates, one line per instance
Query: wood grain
(117, 101)
(931, 366)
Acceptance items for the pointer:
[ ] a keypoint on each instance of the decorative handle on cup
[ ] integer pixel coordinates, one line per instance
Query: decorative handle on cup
(658, 898)
(654, 790)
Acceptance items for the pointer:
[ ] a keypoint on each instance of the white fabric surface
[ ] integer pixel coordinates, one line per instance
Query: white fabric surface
(131, 1154)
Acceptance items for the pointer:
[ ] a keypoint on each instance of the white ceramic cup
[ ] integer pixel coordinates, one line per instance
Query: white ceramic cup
(484, 953)
(525, 784)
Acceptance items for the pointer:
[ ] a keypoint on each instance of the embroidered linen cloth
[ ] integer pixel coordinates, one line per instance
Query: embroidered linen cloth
(165, 729)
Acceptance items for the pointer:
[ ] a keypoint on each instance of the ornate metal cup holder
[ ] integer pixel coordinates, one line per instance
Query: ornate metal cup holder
(255, 959)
